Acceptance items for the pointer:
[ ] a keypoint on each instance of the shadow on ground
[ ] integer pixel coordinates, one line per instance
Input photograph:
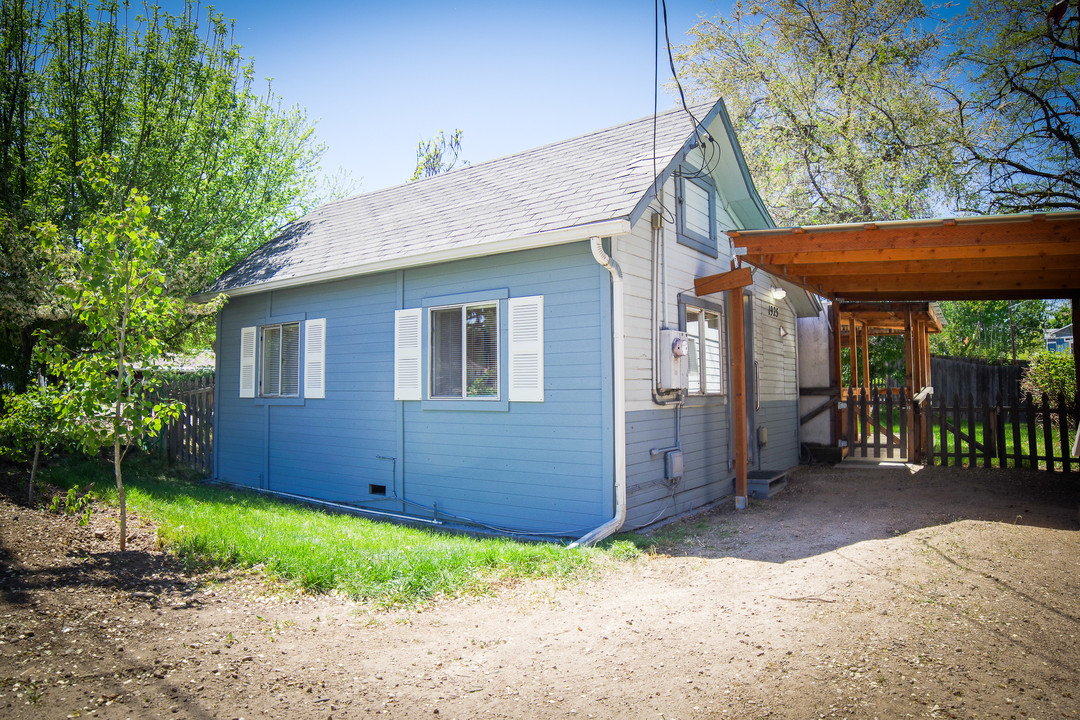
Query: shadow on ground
(826, 508)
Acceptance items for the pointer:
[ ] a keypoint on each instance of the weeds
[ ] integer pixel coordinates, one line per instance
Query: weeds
(74, 504)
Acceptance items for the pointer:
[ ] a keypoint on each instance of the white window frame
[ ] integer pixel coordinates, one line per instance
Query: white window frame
(432, 355)
(700, 350)
(263, 360)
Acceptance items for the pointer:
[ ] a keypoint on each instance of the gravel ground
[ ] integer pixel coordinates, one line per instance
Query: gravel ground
(857, 592)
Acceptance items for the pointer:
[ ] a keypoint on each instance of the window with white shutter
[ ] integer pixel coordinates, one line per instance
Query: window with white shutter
(247, 361)
(526, 351)
(408, 343)
(315, 358)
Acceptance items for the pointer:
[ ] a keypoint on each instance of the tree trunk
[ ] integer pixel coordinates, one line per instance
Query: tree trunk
(120, 492)
(33, 473)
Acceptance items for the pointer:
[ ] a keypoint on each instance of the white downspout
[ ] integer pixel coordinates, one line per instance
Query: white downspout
(618, 362)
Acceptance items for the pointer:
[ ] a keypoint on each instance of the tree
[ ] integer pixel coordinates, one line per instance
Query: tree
(437, 155)
(171, 98)
(833, 107)
(988, 329)
(1052, 373)
(117, 291)
(30, 421)
(1022, 106)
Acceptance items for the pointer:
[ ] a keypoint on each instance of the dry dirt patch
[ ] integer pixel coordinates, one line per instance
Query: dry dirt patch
(855, 593)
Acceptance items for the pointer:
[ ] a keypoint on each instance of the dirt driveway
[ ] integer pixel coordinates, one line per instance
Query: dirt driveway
(855, 593)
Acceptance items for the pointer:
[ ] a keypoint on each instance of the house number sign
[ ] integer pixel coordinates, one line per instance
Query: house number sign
(774, 311)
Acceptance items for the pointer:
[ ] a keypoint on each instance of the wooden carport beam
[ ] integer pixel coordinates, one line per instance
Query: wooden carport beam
(722, 282)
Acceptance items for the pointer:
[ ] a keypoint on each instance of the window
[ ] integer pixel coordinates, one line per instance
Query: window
(703, 330)
(456, 349)
(270, 360)
(279, 360)
(465, 351)
(696, 216)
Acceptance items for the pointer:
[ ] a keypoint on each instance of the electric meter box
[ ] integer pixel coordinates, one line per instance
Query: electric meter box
(674, 354)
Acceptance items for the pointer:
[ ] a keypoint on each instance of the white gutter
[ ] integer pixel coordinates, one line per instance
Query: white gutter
(474, 250)
(618, 363)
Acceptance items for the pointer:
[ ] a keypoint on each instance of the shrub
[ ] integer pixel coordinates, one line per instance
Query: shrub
(1053, 373)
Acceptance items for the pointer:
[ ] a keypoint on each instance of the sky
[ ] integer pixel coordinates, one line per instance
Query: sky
(378, 77)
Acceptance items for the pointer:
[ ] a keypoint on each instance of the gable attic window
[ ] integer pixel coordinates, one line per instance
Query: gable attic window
(696, 214)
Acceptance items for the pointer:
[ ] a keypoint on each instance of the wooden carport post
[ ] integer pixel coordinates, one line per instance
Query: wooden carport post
(914, 433)
(1076, 348)
(836, 374)
(738, 393)
(732, 282)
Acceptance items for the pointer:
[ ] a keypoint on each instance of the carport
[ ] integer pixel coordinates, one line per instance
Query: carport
(884, 275)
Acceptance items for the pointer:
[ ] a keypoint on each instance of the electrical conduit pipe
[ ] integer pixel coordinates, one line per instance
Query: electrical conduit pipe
(619, 386)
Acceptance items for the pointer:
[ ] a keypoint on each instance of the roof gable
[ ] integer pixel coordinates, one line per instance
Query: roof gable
(602, 176)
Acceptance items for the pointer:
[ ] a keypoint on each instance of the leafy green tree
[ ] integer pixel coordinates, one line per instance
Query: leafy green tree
(437, 155)
(833, 105)
(171, 97)
(29, 422)
(1052, 373)
(1021, 105)
(987, 329)
(1060, 315)
(117, 291)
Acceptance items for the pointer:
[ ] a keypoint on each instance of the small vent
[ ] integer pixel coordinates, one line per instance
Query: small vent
(377, 490)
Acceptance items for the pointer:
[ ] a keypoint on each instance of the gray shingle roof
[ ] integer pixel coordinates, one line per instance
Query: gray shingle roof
(592, 178)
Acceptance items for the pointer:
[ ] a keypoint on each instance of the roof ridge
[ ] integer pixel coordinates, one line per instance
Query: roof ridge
(520, 153)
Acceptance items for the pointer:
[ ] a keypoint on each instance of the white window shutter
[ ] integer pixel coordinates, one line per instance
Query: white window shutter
(315, 358)
(408, 342)
(526, 352)
(247, 362)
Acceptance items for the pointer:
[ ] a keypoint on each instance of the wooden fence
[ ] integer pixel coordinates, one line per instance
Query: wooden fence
(978, 378)
(190, 439)
(1027, 433)
(876, 422)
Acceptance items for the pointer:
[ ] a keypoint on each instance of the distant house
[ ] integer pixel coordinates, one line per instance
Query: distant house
(1060, 340)
(515, 345)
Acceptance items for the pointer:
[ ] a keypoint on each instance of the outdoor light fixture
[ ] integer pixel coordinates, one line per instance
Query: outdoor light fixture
(779, 293)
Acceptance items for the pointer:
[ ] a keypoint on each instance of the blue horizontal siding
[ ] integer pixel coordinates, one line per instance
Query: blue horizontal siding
(704, 441)
(541, 467)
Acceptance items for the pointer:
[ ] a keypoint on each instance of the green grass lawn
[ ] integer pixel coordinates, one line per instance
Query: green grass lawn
(980, 440)
(387, 564)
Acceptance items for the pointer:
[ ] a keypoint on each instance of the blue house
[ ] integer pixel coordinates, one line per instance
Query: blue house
(518, 345)
(1060, 340)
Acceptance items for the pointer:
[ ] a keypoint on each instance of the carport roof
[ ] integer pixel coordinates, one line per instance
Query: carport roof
(967, 258)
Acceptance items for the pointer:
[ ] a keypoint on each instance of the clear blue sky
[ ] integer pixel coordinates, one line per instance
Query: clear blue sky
(380, 76)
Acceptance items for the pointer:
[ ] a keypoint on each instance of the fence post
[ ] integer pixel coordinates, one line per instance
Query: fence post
(972, 448)
(1063, 433)
(1033, 445)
